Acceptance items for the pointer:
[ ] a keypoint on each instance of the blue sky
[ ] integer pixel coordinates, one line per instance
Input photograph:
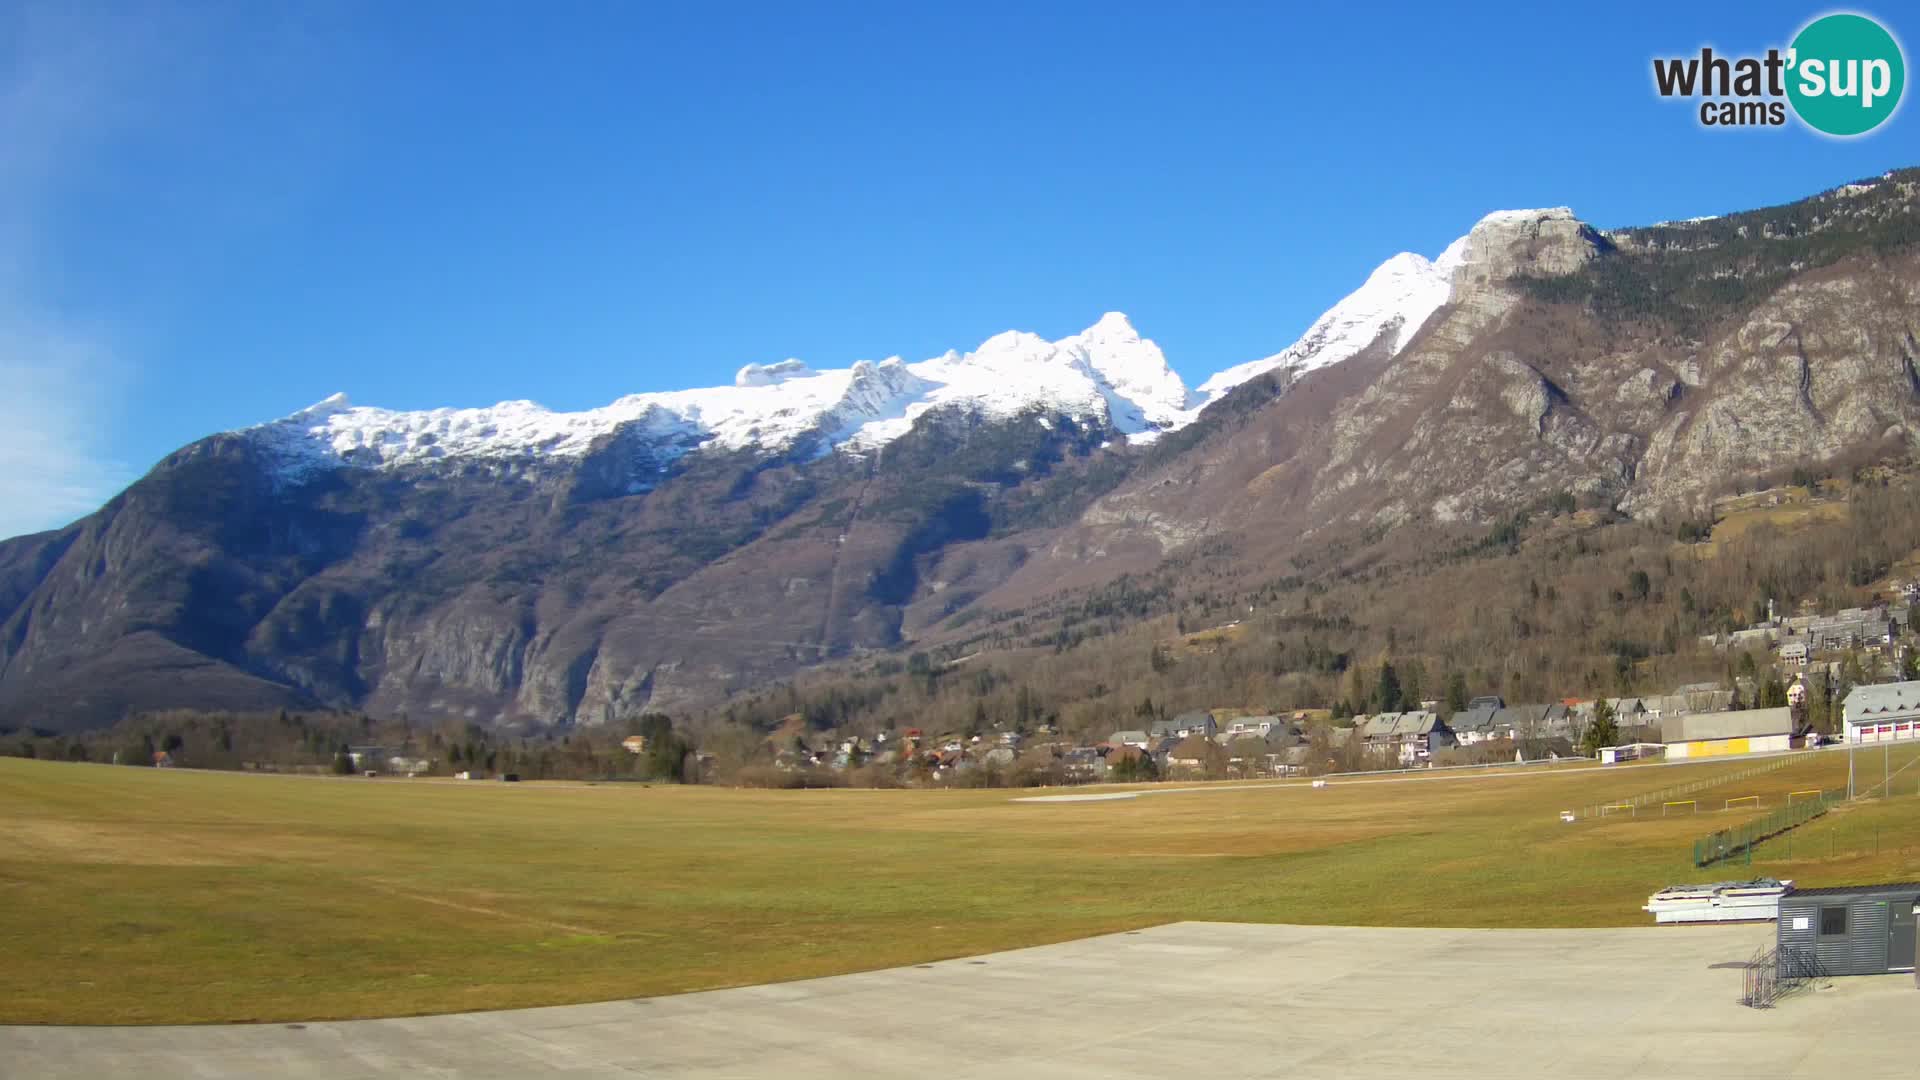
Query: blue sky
(215, 214)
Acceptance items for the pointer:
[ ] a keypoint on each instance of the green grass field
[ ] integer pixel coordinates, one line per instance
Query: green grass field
(150, 896)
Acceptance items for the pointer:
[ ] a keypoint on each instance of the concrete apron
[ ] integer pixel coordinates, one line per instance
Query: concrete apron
(1194, 999)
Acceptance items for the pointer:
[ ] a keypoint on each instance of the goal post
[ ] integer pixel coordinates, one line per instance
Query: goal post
(1672, 806)
(1749, 800)
(1627, 806)
(1792, 795)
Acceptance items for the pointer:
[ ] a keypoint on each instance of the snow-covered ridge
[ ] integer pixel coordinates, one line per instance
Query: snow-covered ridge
(1396, 300)
(1106, 373)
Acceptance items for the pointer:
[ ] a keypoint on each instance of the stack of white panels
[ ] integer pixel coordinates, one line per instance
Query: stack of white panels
(1720, 901)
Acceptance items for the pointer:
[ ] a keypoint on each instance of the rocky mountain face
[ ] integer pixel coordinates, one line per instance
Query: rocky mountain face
(518, 566)
(1645, 369)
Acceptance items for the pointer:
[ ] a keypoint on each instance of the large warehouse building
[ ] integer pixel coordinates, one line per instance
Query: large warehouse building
(1749, 731)
(1882, 713)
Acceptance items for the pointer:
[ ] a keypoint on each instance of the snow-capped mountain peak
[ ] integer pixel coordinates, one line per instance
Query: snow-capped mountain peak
(1136, 373)
(1106, 373)
(1396, 300)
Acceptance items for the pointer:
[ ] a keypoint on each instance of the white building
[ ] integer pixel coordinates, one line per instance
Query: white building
(1254, 725)
(1882, 713)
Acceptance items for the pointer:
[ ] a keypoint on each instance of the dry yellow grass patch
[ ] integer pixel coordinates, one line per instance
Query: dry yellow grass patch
(143, 896)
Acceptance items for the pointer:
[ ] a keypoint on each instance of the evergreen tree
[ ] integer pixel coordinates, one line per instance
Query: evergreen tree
(1773, 694)
(1133, 767)
(666, 752)
(1602, 731)
(1413, 683)
(140, 753)
(1456, 693)
(1851, 673)
(1819, 707)
(1386, 691)
(655, 726)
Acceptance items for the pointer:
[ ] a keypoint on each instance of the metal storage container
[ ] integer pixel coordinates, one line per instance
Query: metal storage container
(1848, 929)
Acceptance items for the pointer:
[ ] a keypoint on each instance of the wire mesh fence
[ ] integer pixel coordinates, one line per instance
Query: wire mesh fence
(1631, 805)
(1741, 839)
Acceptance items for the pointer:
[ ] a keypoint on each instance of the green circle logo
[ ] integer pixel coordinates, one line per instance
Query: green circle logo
(1846, 74)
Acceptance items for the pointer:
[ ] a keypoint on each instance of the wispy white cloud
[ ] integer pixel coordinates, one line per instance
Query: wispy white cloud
(79, 84)
(61, 385)
(58, 392)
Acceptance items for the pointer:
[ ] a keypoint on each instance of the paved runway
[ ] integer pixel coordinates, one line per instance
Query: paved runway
(1191, 999)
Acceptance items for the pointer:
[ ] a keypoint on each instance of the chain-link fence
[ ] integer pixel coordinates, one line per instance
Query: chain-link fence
(1741, 839)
